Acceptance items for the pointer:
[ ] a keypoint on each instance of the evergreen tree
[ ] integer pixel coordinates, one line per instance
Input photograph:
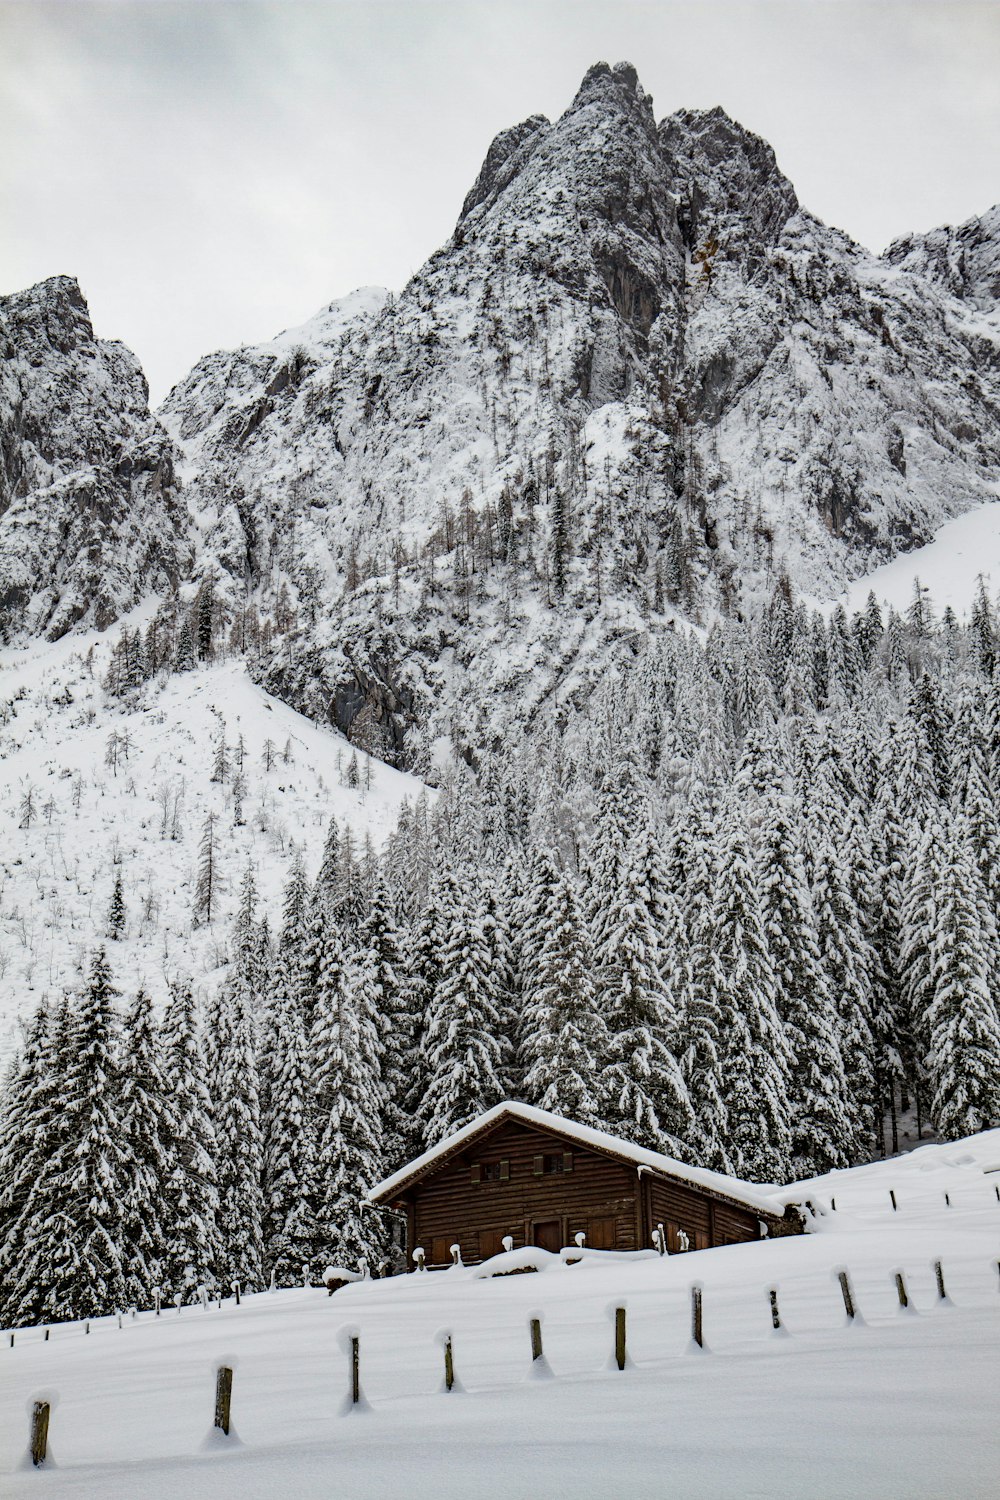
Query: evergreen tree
(116, 911)
(346, 1045)
(149, 1128)
(962, 1020)
(816, 1078)
(559, 1054)
(191, 1250)
(209, 883)
(755, 1055)
(238, 1154)
(463, 1053)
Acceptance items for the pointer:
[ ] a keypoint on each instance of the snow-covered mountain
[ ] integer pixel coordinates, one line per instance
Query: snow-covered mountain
(90, 517)
(638, 381)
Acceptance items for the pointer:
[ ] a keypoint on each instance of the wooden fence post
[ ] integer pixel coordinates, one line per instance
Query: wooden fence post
(86, 1326)
(696, 1328)
(775, 1315)
(947, 1200)
(536, 1338)
(620, 1337)
(12, 1341)
(157, 1295)
(47, 1332)
(355, 1369)
(845, 1289)
(39, 1433)
(449, 1364)
(178, 1299)
(892, 1195)
(223, 1397)
(236, 1290)
(939, 1273)
(901, 1292)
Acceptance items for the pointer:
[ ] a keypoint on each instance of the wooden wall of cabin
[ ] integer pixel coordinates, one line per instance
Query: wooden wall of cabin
(597, 1195)
(704, 1220)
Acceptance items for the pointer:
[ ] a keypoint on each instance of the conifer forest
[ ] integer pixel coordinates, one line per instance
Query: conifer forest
(738, 904)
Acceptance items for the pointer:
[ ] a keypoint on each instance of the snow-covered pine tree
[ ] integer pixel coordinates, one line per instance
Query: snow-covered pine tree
(643, 1094)
(348, 1091)
(31, 1131)
(191, 1208)
(238, 1154)
(560, 1052)
(962, 1020)
(289, 1136)
(755, 1055)
(73, 1236)
(381, 936)
(820, 1125)
(149, 1129)
(116, 911)
(463, 1051)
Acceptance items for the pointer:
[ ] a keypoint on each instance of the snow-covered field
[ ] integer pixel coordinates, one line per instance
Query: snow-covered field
(899, 1403)
(147, 812)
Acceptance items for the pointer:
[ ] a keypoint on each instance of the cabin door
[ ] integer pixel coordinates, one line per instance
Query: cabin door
(547, 1235)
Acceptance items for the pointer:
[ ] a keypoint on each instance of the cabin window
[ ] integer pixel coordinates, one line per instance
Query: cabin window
(554, 1163)
(491, 1171)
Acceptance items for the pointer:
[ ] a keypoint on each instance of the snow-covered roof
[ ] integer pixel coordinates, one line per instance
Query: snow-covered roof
(584, 1135)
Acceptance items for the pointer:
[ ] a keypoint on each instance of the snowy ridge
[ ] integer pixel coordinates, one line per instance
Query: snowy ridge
(91, 819)
(585, 1135)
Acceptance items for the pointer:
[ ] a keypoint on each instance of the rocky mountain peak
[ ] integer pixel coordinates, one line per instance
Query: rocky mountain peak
(964, 260)
(615, 87)
(727, 179)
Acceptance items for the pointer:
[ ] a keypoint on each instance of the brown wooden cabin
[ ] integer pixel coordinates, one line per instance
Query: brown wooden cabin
(523, 1172)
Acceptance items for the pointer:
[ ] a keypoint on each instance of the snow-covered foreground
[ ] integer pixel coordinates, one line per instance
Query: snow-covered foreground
(144, 814)
(897, 1403)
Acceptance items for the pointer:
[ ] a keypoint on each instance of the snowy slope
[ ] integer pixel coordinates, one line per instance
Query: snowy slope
(962, 551)
(56, 876)
(899, 1403)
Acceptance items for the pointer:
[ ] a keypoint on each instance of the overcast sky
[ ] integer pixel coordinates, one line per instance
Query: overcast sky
(215, 171)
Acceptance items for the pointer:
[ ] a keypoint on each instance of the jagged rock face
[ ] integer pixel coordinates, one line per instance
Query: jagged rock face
(89, 520)
(964, 261)
(636, 358)
(638, 318)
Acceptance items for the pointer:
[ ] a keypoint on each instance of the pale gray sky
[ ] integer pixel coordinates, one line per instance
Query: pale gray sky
(216, 170)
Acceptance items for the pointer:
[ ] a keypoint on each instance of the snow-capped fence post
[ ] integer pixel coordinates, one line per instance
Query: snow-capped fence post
(157, 1296)
(119, 1320)
(696, 1323)
(236, 1292)
(775, 1315)
(939, 1275)
(660, 1239)
(901, 1292)
(847, 1294)
(305, 1278)
(39, 1433)
(203, 1295)
(620, 1337)
(355, 1369)
(420, 1258)
(449, 1363)
(178, 1300)
(273, 1287)
(223, 1397)
(456, 1254)
(536, 1339)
